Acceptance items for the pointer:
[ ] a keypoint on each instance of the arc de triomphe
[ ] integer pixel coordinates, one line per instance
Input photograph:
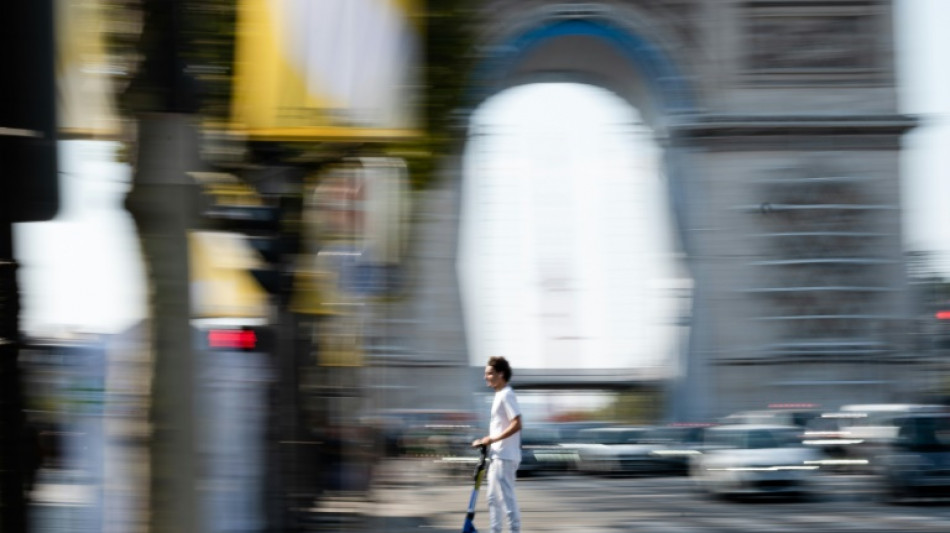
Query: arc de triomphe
(781, 135)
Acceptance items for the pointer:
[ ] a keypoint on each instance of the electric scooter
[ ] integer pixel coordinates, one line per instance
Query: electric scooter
(469, 525)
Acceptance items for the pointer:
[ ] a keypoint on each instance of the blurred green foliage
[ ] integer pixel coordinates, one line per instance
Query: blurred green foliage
(449, 57)
(634, 407)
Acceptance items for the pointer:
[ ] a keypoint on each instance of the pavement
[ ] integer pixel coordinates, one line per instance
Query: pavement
(408, 495)
(422, 495)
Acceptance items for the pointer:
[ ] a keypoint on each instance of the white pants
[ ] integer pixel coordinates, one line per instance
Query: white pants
(501, 495)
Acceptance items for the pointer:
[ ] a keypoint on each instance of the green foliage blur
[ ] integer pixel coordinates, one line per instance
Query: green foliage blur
(636, 408)
(449, 56)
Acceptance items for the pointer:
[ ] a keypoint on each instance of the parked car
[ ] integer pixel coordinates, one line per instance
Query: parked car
(570, 432)
(617, 450)
(675, 445)
(916, 463)
(875, 423)
(543, 452)
(750, 459)
(870, 429)
(830, 434)
(785, 416)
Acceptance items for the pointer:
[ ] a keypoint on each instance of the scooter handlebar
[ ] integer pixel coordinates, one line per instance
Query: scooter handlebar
(483, 449)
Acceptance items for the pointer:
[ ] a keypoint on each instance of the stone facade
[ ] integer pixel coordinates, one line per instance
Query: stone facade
(782, 136)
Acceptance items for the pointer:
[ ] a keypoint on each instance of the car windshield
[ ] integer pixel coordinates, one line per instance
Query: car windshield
(667, 434)
(674, 434)
(536, 436)
(614, 436)
(925, 433)
(823, 424)
(753, 439)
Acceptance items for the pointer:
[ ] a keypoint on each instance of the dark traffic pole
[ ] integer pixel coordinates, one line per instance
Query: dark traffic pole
(12, 431)
(164, 204)
(273, 230)
(29, 191)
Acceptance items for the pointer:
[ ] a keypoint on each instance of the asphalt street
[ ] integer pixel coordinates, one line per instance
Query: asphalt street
(415, 497)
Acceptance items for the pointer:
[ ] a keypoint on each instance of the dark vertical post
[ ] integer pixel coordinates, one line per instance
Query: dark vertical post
(13, 503)
(288, 490)
(29, 191)
(163, 202)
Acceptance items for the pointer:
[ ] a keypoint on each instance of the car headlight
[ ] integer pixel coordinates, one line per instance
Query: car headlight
(675, 453)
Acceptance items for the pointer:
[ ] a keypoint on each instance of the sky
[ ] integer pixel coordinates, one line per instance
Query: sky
(923, 43)
(81, 271)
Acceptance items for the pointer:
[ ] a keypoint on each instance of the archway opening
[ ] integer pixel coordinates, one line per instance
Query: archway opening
(567, 251)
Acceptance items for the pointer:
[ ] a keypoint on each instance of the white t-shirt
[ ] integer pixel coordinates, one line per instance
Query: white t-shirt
(504, 409)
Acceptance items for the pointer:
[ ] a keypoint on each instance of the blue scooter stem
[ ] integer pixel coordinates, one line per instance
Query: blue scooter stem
(478, 476)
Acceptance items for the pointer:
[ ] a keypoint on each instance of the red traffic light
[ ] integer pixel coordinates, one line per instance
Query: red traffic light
(238, 339)
(943, 315)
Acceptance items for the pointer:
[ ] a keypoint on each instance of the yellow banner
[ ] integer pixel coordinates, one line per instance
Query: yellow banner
(326, 69)
(83, 71)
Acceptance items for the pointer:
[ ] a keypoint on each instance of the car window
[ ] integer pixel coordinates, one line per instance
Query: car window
(751, 439)
(763, 438)
(804, 417)
(925, 433)
(622, 437)
(823, 424)
(634, 436)
(726, 439)
(666, 435)
(534, 436)
(613, 436)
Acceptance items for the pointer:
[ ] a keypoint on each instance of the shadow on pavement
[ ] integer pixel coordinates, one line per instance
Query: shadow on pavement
(346, 522)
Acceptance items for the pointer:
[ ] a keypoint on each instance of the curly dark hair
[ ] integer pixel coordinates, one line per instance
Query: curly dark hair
(500, 364)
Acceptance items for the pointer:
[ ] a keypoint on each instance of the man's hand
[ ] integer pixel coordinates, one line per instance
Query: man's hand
(513, 427)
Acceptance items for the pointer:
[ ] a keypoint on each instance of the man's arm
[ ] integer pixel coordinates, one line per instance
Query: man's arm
(513, 427)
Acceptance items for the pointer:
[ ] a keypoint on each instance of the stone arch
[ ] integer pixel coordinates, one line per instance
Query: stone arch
(627, 54)
(639, 63)
(643, 67)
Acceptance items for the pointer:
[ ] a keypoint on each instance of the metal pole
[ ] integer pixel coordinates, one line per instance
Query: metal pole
(13, 502)
(163, 201)
(163, 204)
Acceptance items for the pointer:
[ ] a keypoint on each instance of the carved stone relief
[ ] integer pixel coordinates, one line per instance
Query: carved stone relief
(822, 266)
(802, 41)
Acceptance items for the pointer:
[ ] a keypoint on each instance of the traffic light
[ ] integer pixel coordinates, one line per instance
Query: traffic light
(29, 181)
(240, 338)
(260, 226)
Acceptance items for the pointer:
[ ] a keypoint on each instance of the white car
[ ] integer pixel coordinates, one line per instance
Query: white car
(617, 450)
(747, 459)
